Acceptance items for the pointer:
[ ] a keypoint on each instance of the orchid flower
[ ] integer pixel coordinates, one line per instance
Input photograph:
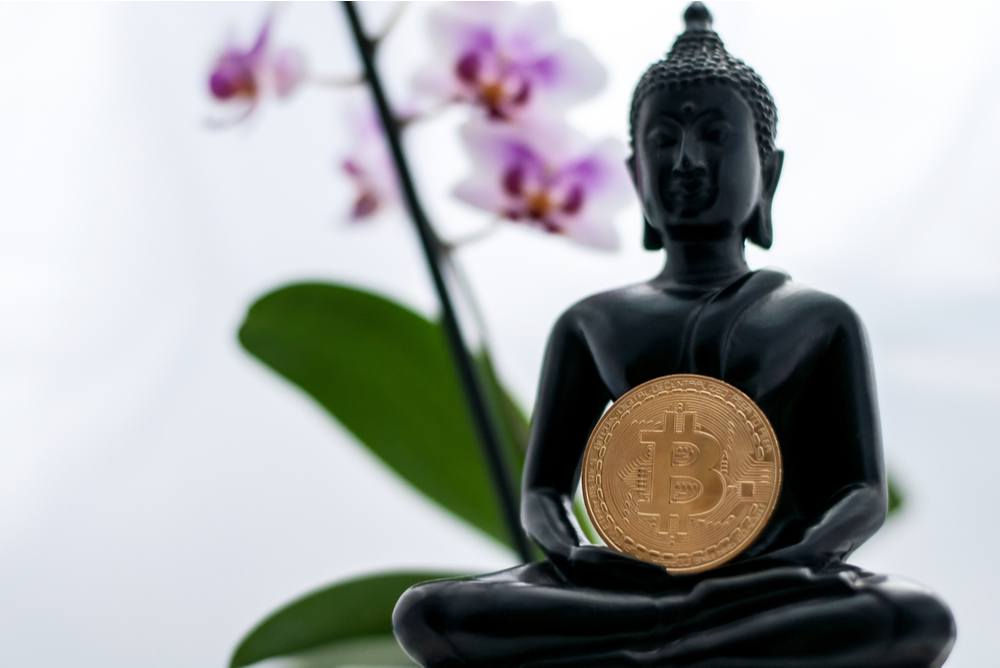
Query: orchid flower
(507, 58)
(245, 76)
(548, 177)
(367, 163)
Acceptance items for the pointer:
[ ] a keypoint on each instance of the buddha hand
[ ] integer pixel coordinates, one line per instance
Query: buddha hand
(799, 555)
(601, 567)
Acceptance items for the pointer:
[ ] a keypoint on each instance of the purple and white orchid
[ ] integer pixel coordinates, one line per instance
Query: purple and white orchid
(244, 76)
(507, 58)
(544, 175)
(367, 163)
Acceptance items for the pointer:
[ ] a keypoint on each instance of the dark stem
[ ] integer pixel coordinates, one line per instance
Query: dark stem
(482, 417)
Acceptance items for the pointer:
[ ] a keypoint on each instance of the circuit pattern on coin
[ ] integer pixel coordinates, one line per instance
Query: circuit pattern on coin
(683, 471)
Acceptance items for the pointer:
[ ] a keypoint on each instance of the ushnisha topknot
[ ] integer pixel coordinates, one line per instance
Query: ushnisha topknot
(698, 57)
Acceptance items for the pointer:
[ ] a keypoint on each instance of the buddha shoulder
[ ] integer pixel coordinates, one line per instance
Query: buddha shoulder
(618, 307)
(790, 310)
(794, 306)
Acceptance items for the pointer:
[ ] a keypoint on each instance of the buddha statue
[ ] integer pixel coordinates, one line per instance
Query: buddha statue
(705, 169)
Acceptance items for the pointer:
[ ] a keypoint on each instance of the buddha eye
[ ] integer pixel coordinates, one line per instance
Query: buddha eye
(661, 138)
(716, 133)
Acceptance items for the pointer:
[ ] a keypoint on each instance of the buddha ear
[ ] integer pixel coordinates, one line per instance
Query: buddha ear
(651, 239)
(759, 229)
(772, 172)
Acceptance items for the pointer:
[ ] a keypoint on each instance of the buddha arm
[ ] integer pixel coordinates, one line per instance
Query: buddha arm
(571, 398)
(855, 515)
(853, 505)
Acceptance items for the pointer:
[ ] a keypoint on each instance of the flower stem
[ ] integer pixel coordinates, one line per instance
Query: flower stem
(483, 417)
(483, 232)
(430, 113)
(397, 13)
(335, 81)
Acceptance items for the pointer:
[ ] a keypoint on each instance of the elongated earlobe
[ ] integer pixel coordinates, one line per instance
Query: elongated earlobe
(759, 229)
(651, 239)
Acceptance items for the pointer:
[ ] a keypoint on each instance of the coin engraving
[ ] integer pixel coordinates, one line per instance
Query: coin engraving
(683, 471)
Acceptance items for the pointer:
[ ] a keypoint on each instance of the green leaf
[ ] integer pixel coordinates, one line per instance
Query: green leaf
(580, 511)
(385, 373)
(347, 623)
(511, 418)
(381, 651)
(895, 497)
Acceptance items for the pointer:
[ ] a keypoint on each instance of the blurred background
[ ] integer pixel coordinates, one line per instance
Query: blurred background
(160, 490)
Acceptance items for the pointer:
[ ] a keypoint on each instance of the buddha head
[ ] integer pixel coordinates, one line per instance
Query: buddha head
(702, 130)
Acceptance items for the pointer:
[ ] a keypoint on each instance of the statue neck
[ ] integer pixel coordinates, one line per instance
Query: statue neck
(703, 263)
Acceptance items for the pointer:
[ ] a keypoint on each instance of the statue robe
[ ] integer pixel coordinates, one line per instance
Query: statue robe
(801, 355)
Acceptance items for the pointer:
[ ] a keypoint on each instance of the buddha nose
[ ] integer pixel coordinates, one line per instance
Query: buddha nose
(690, 156)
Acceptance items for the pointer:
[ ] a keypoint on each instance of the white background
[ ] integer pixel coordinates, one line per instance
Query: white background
(160, 491)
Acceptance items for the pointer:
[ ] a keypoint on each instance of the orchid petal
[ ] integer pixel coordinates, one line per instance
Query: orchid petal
(546, 176)
(597, 233)
(603, 174)
(263, 37)
(367, 162)
(572, 74)
(481, 194)
(455, 27)
(523, 66)
(530, 27)
(287, 70)
(493, 148)
(245, 76)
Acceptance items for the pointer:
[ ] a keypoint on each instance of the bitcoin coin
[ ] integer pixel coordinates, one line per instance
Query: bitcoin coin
(683, 471)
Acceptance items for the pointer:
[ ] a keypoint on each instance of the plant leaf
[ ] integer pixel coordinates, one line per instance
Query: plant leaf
(513, 422)
(338, 625)
(895, 497)
(580, 510)
(385, 373)
(381, 651)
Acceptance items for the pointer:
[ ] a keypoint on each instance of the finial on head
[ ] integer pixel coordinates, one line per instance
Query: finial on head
(697, 17)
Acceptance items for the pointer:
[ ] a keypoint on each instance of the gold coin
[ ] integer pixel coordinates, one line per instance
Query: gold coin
(682, 471)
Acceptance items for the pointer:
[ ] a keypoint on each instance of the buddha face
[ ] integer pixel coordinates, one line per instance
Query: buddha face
(696, 166)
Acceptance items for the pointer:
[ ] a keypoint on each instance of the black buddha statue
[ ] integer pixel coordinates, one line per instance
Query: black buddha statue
(705, 168)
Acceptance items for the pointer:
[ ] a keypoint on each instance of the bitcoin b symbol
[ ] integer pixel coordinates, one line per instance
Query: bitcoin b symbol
(685, 478)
